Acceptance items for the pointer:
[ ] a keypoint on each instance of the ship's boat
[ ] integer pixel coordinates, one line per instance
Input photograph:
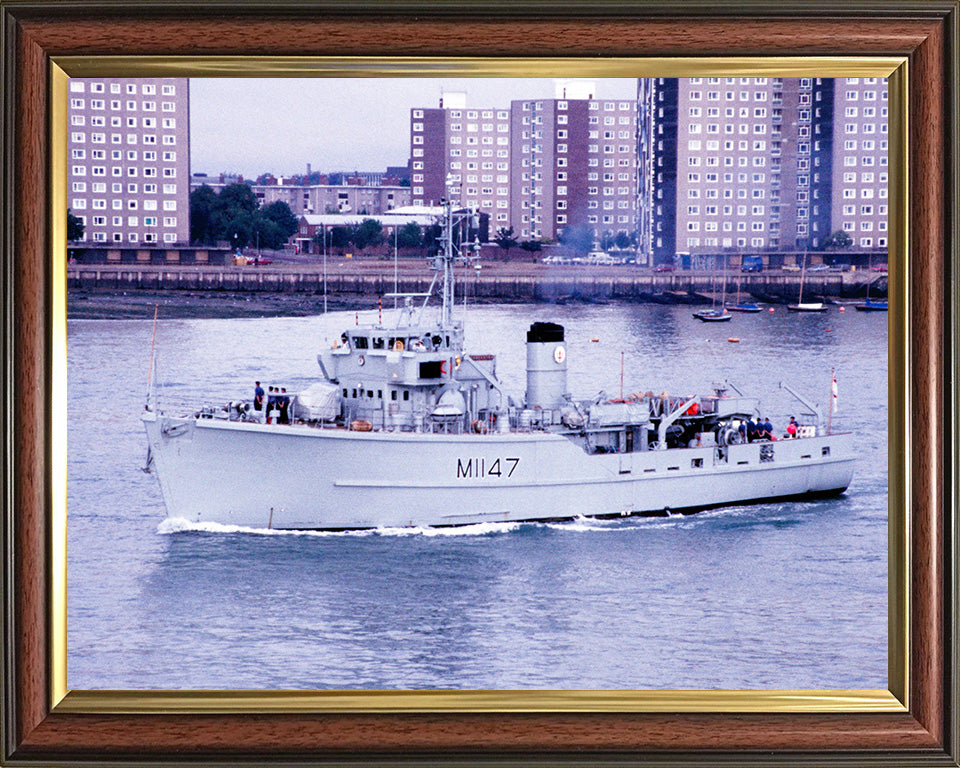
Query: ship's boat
(406, 427)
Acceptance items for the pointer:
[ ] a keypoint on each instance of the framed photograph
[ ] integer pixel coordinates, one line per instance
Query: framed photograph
(887, 693)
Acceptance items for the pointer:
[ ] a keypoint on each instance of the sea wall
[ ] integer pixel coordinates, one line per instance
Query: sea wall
(533, 284)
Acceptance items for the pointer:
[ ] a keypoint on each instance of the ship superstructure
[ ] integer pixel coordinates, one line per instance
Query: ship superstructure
(408, 428)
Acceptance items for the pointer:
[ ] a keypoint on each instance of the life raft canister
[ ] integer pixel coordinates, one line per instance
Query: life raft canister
(398, 345)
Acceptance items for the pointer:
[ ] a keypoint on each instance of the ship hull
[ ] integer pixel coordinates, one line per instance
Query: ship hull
(301, 477)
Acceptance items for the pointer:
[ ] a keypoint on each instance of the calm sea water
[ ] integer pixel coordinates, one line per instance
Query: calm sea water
(775, 596)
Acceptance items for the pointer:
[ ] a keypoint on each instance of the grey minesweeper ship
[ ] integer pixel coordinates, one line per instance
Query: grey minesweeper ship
(407, 428)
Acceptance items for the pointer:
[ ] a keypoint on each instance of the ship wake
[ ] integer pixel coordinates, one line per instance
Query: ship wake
(174, 525)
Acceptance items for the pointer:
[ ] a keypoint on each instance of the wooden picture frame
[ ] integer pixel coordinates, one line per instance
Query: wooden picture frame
(40, 727)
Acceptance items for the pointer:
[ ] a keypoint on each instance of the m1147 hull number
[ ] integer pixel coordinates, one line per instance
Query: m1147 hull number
(482, 467)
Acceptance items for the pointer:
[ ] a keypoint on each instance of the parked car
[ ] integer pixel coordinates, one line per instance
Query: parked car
(879, 268)
(664, 268)
(818, 268)
(752, 264)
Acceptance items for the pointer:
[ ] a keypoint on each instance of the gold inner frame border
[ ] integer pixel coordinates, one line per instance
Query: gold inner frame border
(893, 700)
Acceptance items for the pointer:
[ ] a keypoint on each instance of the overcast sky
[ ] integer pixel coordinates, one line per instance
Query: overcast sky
(253, 126)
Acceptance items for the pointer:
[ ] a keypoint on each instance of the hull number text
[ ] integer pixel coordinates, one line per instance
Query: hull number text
(482, 467)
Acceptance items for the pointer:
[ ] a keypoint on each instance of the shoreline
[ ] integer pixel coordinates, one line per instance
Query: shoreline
(208, 305)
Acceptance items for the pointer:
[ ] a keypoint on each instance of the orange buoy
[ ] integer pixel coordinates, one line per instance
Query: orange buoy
(733, 340)
(770, 310)
(595, 338)
(843, 309)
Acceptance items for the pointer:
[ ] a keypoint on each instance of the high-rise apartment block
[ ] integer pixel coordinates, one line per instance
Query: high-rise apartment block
(698, 165)
(575, 165)
(767, 164)
(859, 176)
(461, 154)
(128, 173)
(539, 166)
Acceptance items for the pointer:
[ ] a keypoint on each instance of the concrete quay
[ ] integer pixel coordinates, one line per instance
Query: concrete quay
(495, 281)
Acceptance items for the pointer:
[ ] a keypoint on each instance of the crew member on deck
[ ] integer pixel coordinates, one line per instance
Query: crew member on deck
(272, 405)
(283, 403)
(792, 427)
(258, 397)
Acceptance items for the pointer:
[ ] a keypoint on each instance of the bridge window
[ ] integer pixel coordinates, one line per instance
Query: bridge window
(360, 342)
(431, 370)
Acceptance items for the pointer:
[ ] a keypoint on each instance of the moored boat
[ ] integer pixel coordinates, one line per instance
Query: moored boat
(713, 315)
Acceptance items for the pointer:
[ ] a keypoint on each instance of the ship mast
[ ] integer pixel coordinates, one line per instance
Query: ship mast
(450, 251)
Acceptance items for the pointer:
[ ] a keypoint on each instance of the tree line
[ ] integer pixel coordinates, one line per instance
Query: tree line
(235, 215)
(369, 234)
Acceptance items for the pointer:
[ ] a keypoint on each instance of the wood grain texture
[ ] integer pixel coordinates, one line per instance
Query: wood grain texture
(623, 36)
(29, 313)
(484, 734)
(594, 738)
(929, 242)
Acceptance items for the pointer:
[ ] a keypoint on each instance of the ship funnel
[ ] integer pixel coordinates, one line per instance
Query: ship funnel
(546, 365)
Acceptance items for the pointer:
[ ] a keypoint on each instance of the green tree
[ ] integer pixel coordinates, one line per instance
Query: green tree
(237, 198)
(203, 200)
(622, 240)
(238, 230)
(274, 224)
(339, 238)
(838, 239)
(431, 238)
(505, 239)
(369, 233)
(226, 216)
(579, 237)
(409, 236)
(74, 227)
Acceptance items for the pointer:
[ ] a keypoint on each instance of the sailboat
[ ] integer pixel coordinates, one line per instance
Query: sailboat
(810, 306)
(872, 306)
(717, 314)
(742, 306)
